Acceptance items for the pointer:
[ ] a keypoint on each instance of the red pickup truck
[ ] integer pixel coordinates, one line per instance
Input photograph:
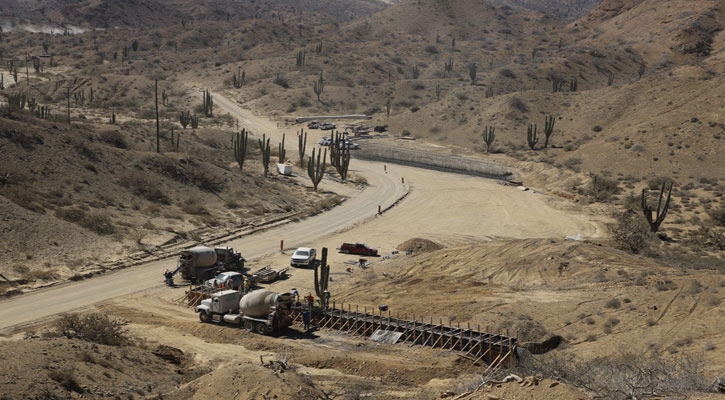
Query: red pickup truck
(358, 248)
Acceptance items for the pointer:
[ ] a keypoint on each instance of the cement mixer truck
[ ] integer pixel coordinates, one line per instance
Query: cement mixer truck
(260, 311)
(200, 263)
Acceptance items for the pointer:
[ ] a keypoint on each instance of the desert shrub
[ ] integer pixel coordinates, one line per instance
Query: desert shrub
(95, 327)
(613, 303)
(66, 378)
(281, 81)
(507, 73)
(517, 104)
(114, 138)
(656, 182)
(596, 128)
(73, 215)
(99, 223)
(145, 186)
(623, 376)
(631, 232)
(609, 325)
(602, 189)
(717, 215)
(665, 285)
(431, 49)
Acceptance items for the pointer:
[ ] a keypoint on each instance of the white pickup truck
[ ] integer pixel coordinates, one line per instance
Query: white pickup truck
(303, 257)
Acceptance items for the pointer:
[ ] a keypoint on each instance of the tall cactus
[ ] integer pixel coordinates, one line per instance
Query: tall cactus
(239, 147)
(208, 101)
(265, 149)
(238, 79)
(316, 171)
(662, 209)
(301, 146)
(323, 276)
(472, 72)
(548, 129)
(282, 152)
(185, 118)
(531, 137)
(301, 55)
(573, 85)
(488, 136)
(340, 155)
(194, 120)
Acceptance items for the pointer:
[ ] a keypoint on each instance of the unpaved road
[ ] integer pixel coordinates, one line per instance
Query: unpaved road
(444, 207)
(383, 190)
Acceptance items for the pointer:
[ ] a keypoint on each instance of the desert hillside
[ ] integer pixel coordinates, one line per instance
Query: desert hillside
(548, 175)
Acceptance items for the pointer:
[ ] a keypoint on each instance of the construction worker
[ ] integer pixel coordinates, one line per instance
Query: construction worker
(306, 318)
(310, 300)
(169, 276)
(247, 285)
(295, 295)
(327, 298)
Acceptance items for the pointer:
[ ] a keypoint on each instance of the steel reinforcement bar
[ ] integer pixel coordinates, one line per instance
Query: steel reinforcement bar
(473, 344)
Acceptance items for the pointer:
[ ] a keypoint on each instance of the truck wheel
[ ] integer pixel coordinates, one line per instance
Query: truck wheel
(261, 328)
(204, 317)
(248, 325)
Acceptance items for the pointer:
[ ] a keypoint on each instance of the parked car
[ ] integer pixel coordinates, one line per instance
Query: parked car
(303, 257)
(313, 125)
(358, 248)
(230, 280)
(327, 126)
(381, 128)
(325, 141)
(350, 145)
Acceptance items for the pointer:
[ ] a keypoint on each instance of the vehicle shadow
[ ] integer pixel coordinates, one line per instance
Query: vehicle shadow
(295, 334)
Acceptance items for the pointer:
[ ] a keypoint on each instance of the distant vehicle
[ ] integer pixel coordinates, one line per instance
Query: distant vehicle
(350, 145)
(230, 280)
(303, 257)
(327, 126)
(313, 125)
(325, 142)
(358, 248)
(380, 128)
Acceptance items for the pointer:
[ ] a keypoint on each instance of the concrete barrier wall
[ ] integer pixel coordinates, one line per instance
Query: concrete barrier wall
(432, 160)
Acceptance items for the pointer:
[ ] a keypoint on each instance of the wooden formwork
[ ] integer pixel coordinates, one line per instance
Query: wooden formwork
(470, 343)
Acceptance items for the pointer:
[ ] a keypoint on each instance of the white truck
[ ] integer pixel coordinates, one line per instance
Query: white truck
(260, 311)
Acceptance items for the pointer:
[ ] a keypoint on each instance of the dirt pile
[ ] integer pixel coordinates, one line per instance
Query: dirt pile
(419, 246)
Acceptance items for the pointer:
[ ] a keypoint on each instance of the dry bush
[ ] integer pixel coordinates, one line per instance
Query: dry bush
(97, 222)
(630, 232)
(95, 327)
(613, 303)
(66, 378)
(145, 186)
(718, 215)
(602, 189)
(623, 376)
(115, 139)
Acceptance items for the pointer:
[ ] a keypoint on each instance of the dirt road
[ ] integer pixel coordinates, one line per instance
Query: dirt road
(445, 207)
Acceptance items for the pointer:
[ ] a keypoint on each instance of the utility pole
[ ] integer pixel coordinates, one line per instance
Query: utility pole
(27, 73)
(67, 95)
(158, 135)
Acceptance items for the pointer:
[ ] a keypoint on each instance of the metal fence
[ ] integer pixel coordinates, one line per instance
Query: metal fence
(432, 160)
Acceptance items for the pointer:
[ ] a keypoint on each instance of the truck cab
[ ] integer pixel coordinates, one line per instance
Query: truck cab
(219, 304)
